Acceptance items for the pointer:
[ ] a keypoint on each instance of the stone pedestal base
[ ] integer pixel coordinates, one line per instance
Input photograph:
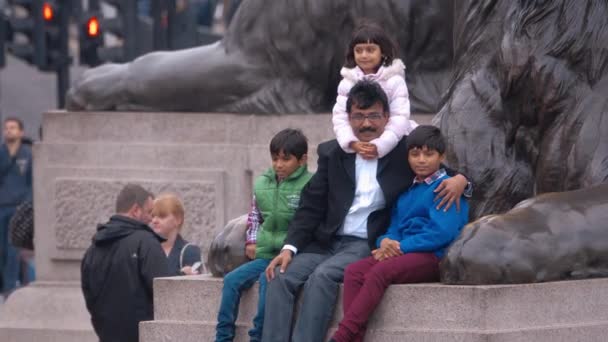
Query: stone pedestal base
(209, 160)
(186, 309)
(46, 311)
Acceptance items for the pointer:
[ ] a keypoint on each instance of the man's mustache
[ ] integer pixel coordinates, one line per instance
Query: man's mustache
(367, 129)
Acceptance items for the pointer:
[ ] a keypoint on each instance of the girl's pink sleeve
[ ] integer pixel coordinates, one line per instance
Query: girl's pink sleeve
(344, 133)
(399, 123)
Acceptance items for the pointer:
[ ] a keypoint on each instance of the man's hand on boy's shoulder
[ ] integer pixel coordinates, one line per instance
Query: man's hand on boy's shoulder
(250, 250)
(283, 259)
(449, 191)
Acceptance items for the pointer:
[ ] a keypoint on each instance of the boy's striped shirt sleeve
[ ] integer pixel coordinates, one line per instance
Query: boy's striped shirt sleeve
(254, 220)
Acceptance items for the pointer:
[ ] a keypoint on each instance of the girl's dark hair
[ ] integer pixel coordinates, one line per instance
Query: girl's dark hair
(426, 135)
(291, 142)
(370, 32)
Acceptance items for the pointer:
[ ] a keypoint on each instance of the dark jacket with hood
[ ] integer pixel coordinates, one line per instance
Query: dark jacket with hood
(117, 273)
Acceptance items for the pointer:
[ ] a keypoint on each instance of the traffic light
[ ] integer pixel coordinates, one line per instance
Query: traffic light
(48, 11)
(91, 39)
(56, 18)
(27, 25)
(117, 34)
(40, 32)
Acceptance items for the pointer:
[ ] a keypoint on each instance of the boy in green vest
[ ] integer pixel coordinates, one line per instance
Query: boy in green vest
(275, 200)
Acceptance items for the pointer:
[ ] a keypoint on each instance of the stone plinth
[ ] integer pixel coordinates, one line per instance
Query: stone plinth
(186, 308)
(209, 160)
(46, 311)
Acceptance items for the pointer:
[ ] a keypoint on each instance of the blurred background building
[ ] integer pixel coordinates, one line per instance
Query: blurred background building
(98, 31)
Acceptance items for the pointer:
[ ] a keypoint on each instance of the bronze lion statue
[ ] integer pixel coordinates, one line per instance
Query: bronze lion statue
(520, 88)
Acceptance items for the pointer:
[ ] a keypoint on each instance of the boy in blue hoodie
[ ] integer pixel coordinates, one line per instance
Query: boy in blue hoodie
(416, 239)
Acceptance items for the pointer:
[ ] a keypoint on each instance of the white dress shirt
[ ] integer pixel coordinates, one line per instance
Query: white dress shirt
(368, 198)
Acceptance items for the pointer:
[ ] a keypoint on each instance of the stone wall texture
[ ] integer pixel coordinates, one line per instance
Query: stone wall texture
(208, 160)
(80, 204)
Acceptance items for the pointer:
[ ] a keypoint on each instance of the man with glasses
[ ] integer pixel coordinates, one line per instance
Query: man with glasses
(344, 208)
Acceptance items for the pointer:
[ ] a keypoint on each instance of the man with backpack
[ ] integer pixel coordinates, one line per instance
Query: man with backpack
(15, 188)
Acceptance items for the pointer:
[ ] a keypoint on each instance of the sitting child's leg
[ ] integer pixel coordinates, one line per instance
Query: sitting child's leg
(407, 268)
(258, 321)
(354, 276)
(235, 282)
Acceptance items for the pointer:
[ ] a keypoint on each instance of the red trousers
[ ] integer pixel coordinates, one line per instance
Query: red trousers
(365, 282)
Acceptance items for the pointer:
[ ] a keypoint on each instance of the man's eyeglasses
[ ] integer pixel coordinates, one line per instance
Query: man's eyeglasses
(372, 117)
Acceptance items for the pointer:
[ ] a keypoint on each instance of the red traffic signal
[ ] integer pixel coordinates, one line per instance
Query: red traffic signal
(92, 27)
(48, 12)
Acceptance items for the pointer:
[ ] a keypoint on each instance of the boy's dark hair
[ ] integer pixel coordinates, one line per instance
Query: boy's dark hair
(14, 119)
(365, 94)
(291, 141)
(369, 32)
(426, 135)
(131, 194)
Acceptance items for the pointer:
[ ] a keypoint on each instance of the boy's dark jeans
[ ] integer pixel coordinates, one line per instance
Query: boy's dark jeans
(240, 279)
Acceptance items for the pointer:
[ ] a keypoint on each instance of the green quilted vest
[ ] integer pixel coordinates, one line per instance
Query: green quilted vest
(277, 204)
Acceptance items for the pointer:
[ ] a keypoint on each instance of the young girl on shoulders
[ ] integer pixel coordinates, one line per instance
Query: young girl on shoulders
(371, 55)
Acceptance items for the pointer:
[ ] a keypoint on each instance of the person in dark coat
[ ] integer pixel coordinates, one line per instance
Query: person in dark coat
(15, 189)
(119, 267)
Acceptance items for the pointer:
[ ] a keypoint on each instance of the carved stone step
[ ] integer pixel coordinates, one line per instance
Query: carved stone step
(557, 311)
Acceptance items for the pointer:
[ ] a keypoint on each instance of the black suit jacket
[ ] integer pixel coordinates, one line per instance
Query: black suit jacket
(329, 194)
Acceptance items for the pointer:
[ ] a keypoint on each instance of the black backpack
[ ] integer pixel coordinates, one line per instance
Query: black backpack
(21, 226)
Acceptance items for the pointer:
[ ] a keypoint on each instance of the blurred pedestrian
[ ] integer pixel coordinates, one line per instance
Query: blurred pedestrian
(15, 188)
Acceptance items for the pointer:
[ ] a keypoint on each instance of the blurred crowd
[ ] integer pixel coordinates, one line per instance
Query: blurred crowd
(203, 10)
